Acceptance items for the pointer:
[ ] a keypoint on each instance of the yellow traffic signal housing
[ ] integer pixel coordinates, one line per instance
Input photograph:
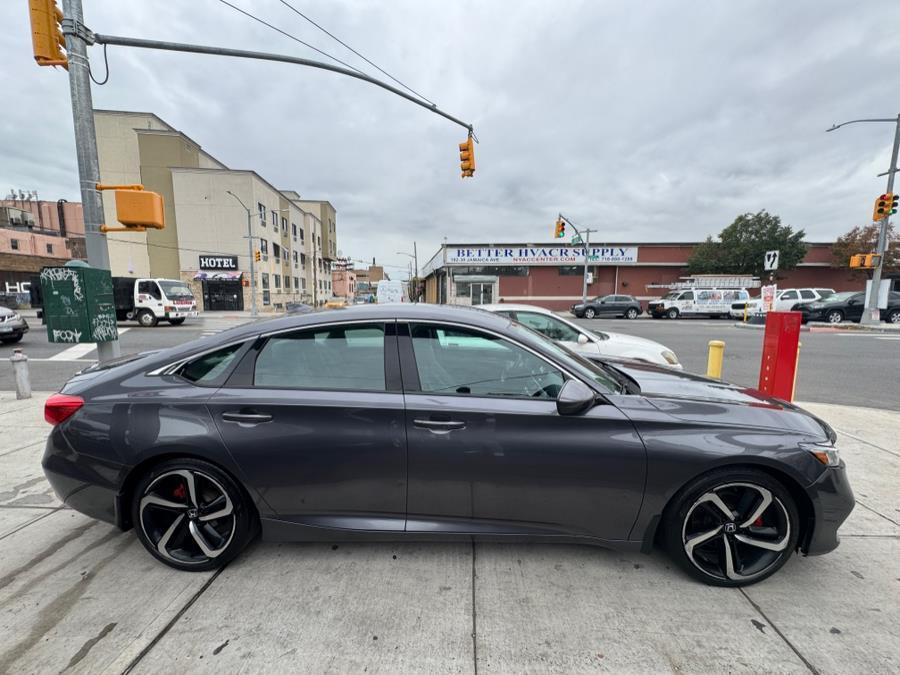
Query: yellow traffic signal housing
(467, 158)
(257, 255)
(885, 206)
(137, 209)
(872, 260)
(560, 230)
(857, 260)
(47, 37)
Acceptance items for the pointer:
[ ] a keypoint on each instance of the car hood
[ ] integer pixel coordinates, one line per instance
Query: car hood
(620, 339)
(705, 400)
(6, 311)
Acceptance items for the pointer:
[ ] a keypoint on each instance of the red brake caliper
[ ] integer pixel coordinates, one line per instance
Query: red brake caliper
(758, 522)
(179, 492)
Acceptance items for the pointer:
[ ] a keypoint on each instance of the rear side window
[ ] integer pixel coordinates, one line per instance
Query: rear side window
(334, 357)
(807, 295)
(210, 366)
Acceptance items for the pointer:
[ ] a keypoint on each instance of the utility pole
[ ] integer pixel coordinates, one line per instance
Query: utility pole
(585, 236)
(253, 310)
(871, 314)
(86, 148)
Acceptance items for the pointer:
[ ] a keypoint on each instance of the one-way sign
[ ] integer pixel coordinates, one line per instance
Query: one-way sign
(770, 264)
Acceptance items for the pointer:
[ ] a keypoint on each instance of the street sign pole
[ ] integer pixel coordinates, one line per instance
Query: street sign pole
(584, 285)
(871, 315)
(86, 149)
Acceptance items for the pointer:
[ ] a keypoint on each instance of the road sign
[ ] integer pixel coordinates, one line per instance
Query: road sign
(770, 263)
(576, 239)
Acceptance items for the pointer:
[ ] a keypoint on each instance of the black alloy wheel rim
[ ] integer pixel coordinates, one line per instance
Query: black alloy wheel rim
(736, 531)
(187, 516)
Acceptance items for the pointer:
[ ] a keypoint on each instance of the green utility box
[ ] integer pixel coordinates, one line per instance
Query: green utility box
(78, 303)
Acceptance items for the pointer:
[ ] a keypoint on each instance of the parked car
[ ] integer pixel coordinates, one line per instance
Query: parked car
(848, 306)
(336, 303)
(609, 306)
(12, 326)
(696, 301)
(584, 341)
(298, 308)
(439, 422)
(785, 300)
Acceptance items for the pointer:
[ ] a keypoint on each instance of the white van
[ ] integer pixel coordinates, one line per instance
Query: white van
(391, 291)
(696, 301)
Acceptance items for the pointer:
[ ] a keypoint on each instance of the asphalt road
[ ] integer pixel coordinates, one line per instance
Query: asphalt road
(848, 368)
(844, 368)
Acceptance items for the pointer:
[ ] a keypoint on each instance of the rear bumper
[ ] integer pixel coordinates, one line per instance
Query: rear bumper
(83, 483)
(832, 500)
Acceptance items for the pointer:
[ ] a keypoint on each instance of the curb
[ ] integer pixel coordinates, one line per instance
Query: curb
(822, 327)
(761, 326)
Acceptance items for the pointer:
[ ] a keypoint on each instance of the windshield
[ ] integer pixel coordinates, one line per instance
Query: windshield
(175, 289)
(671, 295)
(576, 363)
(825, 293)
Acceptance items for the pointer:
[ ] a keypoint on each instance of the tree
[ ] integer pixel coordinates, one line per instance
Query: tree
(864, 239)
(741, 247)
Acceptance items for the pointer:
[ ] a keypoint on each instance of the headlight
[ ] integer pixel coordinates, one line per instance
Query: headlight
(824, 452)
(16, 317)
(670, 357)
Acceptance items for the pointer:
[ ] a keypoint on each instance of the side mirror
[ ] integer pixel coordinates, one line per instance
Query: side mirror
(582, 339)
(575, 397)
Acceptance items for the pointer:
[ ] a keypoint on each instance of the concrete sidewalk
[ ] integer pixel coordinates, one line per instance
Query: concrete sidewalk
(78, 596)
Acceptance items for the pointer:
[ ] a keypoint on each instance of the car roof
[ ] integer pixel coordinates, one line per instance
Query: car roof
(511, 307)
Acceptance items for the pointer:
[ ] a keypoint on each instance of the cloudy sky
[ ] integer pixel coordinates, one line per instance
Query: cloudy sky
(651, 121)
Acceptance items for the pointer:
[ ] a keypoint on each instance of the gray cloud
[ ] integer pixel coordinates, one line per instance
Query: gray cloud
(652, 121)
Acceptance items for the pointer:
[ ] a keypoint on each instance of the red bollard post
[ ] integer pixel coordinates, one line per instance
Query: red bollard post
(779, 356)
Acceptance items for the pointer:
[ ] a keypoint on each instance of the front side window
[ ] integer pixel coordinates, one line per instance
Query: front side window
(687, 295)
(333, 357)
(550, 326)
(149, 288)
(789, 295)
(460, 361)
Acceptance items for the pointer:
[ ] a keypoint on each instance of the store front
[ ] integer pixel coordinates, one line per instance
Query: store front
(221, 284)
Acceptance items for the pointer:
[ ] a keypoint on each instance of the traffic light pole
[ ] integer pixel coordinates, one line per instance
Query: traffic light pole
(871, 315)
(253, 311)
(586, 240)
(86, 149)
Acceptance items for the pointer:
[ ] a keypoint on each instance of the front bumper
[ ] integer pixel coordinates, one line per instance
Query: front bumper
(189, 314)
(832, 500)
(13, 328)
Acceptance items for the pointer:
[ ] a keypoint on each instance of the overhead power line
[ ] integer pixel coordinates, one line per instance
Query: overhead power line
(288, 35)
(335, 37)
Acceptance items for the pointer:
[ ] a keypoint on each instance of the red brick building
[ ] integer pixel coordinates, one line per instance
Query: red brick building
(550, 275)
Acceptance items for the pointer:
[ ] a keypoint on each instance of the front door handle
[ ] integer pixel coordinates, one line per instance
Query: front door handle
(439, 426)
(246, 418)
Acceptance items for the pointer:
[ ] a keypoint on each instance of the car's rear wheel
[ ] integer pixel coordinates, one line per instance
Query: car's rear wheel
(146, 318)
(672, 313)
(632, 313)
(732, 527)
(590, 313)
(893, 316)
(834, 316)
(191, 515)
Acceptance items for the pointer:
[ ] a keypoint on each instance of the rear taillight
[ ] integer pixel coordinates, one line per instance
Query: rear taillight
(61, 407)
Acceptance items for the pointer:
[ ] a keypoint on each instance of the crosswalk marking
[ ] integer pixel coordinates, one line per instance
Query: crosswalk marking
(78, 352)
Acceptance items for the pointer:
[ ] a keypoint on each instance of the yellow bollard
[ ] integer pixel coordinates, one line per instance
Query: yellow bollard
(796, 370)
(715, 358)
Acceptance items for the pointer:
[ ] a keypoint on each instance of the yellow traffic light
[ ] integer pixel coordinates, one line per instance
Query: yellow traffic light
(467, 158)
(137, 209)
(560, 230)
(47, 37)
(257, 255)
(885, 206)
(872, 260)
(857, 260)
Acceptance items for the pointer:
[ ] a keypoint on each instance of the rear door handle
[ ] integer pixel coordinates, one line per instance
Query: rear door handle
(439, 426)
(246, 418)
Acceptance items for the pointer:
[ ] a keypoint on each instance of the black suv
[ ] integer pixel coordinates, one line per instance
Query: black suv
(609, 306)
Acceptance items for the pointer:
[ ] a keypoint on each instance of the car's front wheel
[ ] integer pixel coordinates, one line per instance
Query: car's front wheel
(146, 318)
(632, 313)
(590, 313)
(13, 339)
(834, 316)
(672, 313)
(191, 515)
(732, 527)
(893, 316)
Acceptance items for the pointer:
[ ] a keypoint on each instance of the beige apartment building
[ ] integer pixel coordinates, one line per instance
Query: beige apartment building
(210, 209)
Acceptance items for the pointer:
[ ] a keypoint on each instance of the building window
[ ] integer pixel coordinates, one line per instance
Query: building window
(275, 219)
(265, 280)
(276, 251)
(295, 259)
(278, 282)
(294, 230)
(301, 235)
(49, 248)
(296, 283)
(14, 244)
(287, 283)
(303, 260)
(283, 224)
(264, 247)
(267, 298)
(262, 213)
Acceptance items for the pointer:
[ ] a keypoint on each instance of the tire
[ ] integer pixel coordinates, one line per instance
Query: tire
(893, 316)
(12, 340)
(672, 313)
(724, 559)
(146, 318)
(176, 322)
(834, 316)
(631, 313)
(590, 313)
(223, 537)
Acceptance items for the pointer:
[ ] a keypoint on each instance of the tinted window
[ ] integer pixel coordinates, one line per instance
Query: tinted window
(209, 366)
(333, 357)
(150, 288)
(807, 295)
(687, 295)
(789, 295)
(460, 361)
(550, 326)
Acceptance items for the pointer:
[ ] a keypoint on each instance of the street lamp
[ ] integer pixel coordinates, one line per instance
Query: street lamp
(870, 314)
(250, 238)
(415, 257)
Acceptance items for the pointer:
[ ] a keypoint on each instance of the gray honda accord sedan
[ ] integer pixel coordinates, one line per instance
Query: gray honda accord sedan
(429, 422)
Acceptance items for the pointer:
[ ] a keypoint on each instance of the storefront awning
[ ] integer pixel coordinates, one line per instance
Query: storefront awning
(218, 275)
